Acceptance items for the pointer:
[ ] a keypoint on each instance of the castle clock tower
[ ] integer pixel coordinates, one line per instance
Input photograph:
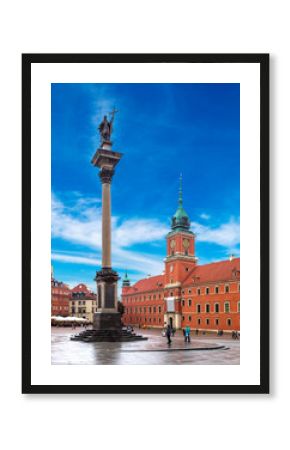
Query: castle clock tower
(179, 261)
(180, 257)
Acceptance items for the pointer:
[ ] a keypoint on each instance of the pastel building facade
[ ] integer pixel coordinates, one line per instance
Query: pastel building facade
(82, 302)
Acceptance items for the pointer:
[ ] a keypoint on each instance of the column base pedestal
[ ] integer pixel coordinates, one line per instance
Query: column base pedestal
(107, 321)
(107, 327)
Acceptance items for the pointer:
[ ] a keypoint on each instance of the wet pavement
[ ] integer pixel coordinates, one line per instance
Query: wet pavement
(202, 350)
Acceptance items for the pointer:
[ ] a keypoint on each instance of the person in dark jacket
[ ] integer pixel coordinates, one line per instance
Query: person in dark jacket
(168, 334)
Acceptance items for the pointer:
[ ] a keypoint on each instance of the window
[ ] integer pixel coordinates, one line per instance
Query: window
(189, 302)
(217, 308)
(229, 322)
(186, 268)
(189, 291)
(171, 294)
(216, 321)
(207, 308)
(198, 291)
(239, 287)
(182, 291)
(189, 318)
(227, 307)
(238, 306)
(198, 321)
(159, 309)
(198, 309)
(207, 290)
(227, 289)
(183, 318)
(207, 321)
(154, 309)
(216, 290)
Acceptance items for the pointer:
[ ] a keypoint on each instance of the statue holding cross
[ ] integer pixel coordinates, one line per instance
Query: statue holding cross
(106, 127)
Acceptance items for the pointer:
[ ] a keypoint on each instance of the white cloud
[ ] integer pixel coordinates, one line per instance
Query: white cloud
(134, 231)
(75, 259)
(204, 216)
(80, 222)
(226, 235)
(85, 229)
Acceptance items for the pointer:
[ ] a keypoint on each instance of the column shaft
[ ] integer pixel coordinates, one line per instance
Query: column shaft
(106, 225)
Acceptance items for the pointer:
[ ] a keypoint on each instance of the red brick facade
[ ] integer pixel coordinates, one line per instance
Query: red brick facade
(204, 297)
(60, 293)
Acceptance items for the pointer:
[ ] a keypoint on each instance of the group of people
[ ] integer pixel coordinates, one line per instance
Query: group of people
(169, 331)
(235, 335)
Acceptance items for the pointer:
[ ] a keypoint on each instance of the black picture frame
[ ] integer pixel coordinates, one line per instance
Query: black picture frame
(27, 61)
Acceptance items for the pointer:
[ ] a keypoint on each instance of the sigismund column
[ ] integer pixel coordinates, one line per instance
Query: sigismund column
(107, 316)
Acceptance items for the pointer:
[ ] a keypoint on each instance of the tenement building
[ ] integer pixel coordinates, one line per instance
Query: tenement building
(83, 302)
(203, 297)
(59, 297)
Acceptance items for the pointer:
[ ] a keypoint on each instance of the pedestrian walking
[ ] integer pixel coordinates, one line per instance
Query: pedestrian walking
(168, 334)
(187, 334)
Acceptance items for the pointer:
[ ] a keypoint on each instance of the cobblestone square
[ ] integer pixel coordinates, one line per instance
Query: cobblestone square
(202, 350)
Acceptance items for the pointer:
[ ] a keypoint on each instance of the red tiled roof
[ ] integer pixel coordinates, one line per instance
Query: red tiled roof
(212, 272)
(81, 288)
(147, 284)
(217, 271)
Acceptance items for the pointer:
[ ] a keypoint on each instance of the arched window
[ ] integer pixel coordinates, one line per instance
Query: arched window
(227, 307)
(216, 308)
(207, 308)
(198, 308)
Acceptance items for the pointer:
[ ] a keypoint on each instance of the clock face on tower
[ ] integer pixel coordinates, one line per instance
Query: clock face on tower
(172, 243)
(185, 243)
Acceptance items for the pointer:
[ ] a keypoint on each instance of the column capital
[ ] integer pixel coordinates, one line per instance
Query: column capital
(106, 174)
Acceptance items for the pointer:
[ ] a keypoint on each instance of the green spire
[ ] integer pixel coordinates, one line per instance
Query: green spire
(180, 220)
(180, 191)
(126, 281)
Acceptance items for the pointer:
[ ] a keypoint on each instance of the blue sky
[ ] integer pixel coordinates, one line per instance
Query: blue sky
(162, 130)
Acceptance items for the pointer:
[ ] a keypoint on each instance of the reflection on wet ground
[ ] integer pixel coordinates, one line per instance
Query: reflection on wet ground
(223, 350)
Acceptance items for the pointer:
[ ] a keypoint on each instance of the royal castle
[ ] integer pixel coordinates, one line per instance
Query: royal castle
(203, 297)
